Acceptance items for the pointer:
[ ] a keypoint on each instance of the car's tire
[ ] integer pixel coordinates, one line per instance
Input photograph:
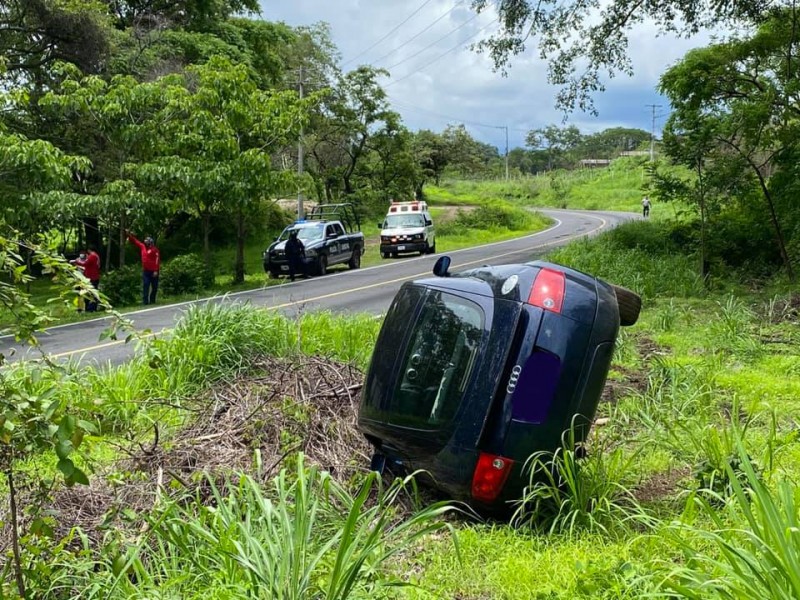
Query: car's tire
(322, 264)
(272, 274)
(385, 254)
(432, 249)
(394, 254)
(355, 259)
(630, 305)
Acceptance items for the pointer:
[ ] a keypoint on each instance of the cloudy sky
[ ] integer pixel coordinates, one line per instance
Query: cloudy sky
(437, 80)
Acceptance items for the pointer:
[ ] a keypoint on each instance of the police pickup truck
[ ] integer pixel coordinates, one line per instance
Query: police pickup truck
(330, 234)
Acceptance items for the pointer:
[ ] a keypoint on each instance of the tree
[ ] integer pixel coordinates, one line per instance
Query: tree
(582, 45)
(747, 87)
(430, 151)
(556, 141)
(35, 34)
(339, 135)
(466, 155)
(216, 133)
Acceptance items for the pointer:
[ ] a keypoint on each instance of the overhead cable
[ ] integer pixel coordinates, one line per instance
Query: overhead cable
(398, 26)
(442, 55)
(412, 38)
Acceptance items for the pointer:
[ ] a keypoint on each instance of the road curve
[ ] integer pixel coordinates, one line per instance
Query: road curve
(368, 290)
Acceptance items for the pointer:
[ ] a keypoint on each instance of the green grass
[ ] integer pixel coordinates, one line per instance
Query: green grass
(706, 387)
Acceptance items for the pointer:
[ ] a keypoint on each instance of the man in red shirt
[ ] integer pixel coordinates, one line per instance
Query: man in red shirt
(88, 262)
(91, 269)
(151, 264)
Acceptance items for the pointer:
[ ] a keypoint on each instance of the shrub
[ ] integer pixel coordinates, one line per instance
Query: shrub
(123, 286)
(495, 215)
(186, 274)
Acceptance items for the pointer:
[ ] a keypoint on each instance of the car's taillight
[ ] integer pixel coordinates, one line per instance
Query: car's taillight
(490, 475)
(548, 290)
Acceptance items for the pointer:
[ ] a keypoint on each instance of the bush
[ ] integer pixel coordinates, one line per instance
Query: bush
(187, 274)
(123, 286)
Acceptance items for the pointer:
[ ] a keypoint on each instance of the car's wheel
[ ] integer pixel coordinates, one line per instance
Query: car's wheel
(385, 254)
(272, 274)
(322, 264)
(394, 254)
(630, 305)
(432, 249)
(355, 259)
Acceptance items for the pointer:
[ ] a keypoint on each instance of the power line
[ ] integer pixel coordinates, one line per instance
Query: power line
(448, 117)
(447, 35)
(441, 56)
(398, 26)
(412, 38)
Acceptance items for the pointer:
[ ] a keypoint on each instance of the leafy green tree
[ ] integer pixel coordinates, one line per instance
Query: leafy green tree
(339, 137)
(466, 155)
(583, 44)
(748, 88)
(34, 34)
(609, 143)
(216, 134)
(431, 153)
(556, 141)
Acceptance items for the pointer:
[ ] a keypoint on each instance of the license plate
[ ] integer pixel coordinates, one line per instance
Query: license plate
(401, 247)
(284, 267)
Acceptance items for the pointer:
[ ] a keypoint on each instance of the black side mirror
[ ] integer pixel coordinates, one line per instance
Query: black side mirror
(441, 267)
(428, 223)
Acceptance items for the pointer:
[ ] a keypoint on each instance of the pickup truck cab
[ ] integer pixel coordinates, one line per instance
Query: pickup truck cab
(475, 372)
(407, 227)
(327, 240)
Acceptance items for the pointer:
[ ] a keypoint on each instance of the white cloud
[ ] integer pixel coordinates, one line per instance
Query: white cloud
(436, 79)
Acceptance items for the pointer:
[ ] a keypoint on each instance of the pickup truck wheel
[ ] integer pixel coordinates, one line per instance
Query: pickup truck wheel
(385, 254)
(432, 249)
(629, 303)
(355, 259)
(272, 274)
(322, 265)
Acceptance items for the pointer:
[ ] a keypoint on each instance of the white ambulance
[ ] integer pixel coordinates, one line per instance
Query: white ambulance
(407, 227)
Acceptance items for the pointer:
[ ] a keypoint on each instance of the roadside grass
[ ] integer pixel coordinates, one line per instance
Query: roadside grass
(619, 187)
(701, 438)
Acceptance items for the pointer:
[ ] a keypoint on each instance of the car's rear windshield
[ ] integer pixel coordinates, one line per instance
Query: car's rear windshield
(437, 363)
(399, 221)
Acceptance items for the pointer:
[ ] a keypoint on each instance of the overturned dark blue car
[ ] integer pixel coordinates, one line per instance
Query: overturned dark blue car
(473, 372)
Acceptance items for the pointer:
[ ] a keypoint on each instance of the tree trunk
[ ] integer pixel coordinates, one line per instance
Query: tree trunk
(777, 227)
(702, 201)
(94, 237)
(238, 273)
(206, 239)
(12, 501)
(122, 241)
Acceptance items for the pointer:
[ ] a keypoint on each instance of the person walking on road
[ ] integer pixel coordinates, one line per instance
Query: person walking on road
(151, 264)
(645, 207)
(295, 251)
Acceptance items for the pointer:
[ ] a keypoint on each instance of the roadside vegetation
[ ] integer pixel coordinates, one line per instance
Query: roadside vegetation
(685, 488)
(222, 461)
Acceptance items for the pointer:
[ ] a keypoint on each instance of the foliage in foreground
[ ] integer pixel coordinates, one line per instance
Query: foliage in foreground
(752, 549)
(305, 536)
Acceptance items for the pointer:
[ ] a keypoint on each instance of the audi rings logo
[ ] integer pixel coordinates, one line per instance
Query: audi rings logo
(512, 381)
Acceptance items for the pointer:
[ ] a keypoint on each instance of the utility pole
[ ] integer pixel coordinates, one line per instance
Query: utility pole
(300, 157)
(505, 128)
(653, 131)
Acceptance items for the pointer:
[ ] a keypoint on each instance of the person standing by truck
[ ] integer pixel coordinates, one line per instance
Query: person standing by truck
(151, 264)
(295, 251)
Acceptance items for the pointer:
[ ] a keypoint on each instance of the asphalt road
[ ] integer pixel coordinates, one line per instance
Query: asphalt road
(363, 290)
